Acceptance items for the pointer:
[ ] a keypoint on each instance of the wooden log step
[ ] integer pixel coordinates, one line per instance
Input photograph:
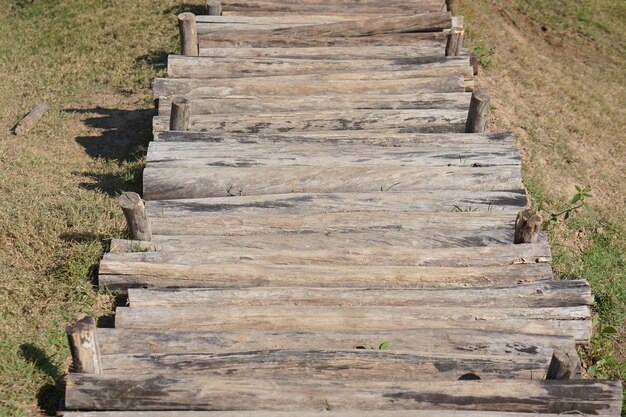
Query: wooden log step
(199, 182)
(200, 67)
(421, 224)
(163, 270)
(258, 205)
(391, 137)
(425, 341)
(378, 25)
(559, 321)
(540, 294)
(411, 413)
(351, 252)
(196, 392)
(328, 52)
(271, 104)
(194, 154)
(352, 364)
(355, 83)
(428, 120)
(275, 8)
(250, 40)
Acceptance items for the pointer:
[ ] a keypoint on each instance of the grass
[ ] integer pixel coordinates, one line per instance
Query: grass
(93, 62)
(555, 70)
(556, 74)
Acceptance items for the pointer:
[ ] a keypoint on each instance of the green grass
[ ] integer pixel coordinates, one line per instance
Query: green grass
(556, 74)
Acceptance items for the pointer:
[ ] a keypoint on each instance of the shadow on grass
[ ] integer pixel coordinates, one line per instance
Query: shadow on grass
(182, 8)
(50, 394)
(155, 59)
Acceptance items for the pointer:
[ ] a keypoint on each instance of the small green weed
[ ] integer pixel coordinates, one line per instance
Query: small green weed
(382, 346)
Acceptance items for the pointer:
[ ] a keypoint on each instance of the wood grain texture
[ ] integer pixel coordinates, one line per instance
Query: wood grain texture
(194, 154)
(276, 8)
(193, 67)
(332, 365)
(397, 413)
(175, 183)
(264, 104)
(390, 137)
(158, 392)
(327, 52)
(449, 201)
(398, 82)
(541, 294)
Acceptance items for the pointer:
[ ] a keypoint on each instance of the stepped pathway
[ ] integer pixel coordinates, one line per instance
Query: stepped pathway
(328, 228)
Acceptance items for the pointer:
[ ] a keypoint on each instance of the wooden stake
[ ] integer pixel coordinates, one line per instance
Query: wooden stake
(136, 217)
(527, 226)
(180, 115)
(455, 42)
(84, 346)
(188, 34)
(565, 364)
(477, 117)
(214, 7)
(453, 6)
(31, 119)
(474, 62)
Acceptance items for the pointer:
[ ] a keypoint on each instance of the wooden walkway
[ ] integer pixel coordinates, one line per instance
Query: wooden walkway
(328, 229)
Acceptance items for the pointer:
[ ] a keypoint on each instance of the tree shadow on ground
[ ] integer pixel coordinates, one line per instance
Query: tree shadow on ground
(52, 392)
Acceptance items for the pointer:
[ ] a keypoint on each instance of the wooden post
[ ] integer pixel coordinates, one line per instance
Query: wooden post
(474, 62)
(84, 346)
(527, 226)
(188, 34)
(455, 42)
(180, 115)
(477, 117)
(565, 364)
(453, 6)
(136, 217)
(31, 119)
(214, 7)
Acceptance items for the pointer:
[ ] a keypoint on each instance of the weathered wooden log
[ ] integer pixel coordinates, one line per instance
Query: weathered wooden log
(455, 42)
(324, 413)
(527, 226)
(180, 115)
(136, 217)
(192, 154)
(214, 7)
(388, 137)
(565, 364)
(313, 84)
(424, 341)
(348, 8)
(83, 341)
(195, 392)
(188, 34)
(176, 183)
(425, 120)
(270, 104)
(541, 294)
(478, 111)
(255, 40)
(202, 67)
(31, 119)
(327, 52)
(350, 364)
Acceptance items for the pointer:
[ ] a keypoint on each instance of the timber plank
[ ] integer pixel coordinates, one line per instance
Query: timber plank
(176, 183)
(126, 273)
(193, 154)
(328, 53)
(425, 341)
(271, 104)
(179, 66)
(390, 137)
(195, 392)
(352, 364)
(541, 294)
(560, 321)
(274, 7)
(425, 120)
(310, 84)
(451, 201)
(411, 413)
